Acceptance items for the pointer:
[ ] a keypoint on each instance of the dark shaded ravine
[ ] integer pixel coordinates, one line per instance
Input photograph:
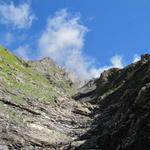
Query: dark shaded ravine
(122, 121)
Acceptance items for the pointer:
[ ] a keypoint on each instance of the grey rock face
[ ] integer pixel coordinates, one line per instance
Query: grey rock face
(36, 108)
(38, 111)
(122, 121)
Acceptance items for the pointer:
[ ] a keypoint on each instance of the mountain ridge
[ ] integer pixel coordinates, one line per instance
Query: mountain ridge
(42, 108)
(122, 119)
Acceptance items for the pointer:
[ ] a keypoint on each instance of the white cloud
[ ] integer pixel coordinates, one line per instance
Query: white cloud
(16, 16)
(95, 72)
(116, 62)
(7, 38)
(63, 41)
(136, 58)
(22, 51)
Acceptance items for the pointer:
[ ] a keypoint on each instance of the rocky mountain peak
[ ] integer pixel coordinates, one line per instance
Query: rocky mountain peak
(121, 121)
(43, 64)
(145, 57)
(110, 74)
(48, 62)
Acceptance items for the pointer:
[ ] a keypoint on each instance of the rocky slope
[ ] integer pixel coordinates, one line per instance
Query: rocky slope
(122, 121)
(36, 108)
(39, 107)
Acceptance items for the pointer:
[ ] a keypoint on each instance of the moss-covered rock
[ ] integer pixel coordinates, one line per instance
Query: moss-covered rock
(26, 79)
(36, 108)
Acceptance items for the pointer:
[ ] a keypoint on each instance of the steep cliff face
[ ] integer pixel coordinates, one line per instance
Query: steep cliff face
(122, 121)
(38, 111)
(43, 80)
(36, 108)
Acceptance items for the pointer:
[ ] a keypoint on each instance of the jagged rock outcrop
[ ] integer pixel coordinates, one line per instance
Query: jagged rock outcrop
(38, 111)
(122, 121)
(36, 108)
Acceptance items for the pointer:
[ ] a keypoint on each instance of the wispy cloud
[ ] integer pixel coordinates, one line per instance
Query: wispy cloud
(136, 58)
(116, 62)
(19, 16)
(23, 51)
(7, 38)
(63, 40)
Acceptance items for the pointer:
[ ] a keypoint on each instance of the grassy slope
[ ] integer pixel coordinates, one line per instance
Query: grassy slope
(21, 81)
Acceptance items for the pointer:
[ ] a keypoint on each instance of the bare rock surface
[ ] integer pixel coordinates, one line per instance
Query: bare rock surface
(36, 108)
(122, 119)
(42, 109)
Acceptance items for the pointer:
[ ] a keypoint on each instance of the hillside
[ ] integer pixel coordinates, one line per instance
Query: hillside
(42, 108)
(16, 73)
(122, 121)
(36, 108)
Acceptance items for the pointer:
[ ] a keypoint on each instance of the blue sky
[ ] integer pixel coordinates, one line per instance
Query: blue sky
(86, 36)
